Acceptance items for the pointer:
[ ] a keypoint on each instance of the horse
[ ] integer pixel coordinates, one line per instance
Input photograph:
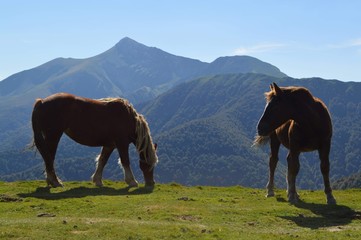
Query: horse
(110, 123)
(300, 122)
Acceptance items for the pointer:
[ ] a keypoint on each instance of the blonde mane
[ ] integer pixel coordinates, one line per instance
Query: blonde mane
(113, 99)
(295, 92)
(144, 143)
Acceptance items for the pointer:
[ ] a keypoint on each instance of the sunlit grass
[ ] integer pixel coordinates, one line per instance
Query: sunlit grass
(171, 211)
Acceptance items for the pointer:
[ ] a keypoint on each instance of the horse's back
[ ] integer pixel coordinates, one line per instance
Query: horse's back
(87, 121)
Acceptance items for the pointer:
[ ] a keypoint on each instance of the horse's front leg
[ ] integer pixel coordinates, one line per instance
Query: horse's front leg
(293, 169)
(273, 160)
(101, 160)
(124, 161)
(270, 185)
(325, 169)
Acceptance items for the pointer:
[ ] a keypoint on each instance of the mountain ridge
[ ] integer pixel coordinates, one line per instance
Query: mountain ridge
(123, 70)
(203, 115)
(205, 127)
(129, 69)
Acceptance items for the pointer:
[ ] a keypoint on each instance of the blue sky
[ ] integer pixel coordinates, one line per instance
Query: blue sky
(303, 38)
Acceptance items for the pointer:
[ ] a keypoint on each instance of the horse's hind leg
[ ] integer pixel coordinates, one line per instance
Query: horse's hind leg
(48, 153)
(124, 161)
(273, 160)
(102, 160)
(325, 169)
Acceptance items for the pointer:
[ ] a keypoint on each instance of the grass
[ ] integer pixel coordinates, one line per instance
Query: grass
(171, 211)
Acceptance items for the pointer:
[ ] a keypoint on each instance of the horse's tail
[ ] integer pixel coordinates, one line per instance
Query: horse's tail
(260, 140)
(38, 140)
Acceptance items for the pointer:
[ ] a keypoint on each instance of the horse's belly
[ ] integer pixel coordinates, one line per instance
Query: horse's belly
(302, 146)
(88, 138)
(308, 148)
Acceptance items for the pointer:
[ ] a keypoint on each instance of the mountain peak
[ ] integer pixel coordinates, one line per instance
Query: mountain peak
(127, 40)
(235, 58)
(243, 64)
(126, 50)
(127, 43)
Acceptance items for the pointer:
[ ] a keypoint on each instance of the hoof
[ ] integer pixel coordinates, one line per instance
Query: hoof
(55, 184)
(53, 181)
(270, 194)
(99, 184)
(132, 184)
(331, 201)
(149, 188)
(150, 185)
(293, 198)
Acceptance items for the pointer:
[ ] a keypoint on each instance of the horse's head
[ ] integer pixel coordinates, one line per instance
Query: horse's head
(148, 159)
(276, 112)
(149, 155)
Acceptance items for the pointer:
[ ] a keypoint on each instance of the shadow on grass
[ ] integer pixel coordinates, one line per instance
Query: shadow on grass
(79, 192)
(323, 215)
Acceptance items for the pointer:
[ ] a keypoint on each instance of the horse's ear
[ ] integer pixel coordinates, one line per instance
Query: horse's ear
(155, 146)
(271, 87)
(277, 90)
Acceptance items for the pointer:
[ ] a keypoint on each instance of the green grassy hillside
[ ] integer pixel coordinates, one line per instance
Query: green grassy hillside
(81, 211)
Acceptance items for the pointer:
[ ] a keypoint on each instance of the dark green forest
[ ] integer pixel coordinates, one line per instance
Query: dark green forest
(232, 104)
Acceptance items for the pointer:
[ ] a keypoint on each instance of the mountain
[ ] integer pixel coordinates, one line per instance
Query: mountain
(241, 64)
(202, 115)
(121, 71)
(352, 181)
(129, 69)
(207, 127)
(202, 138)
(204, 129)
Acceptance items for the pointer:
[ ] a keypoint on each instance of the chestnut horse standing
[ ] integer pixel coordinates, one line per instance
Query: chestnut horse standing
(110, 123)
(301, 122)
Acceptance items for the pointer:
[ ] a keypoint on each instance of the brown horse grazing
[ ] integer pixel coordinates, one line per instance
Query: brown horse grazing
(301, 123)
(110, 123)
